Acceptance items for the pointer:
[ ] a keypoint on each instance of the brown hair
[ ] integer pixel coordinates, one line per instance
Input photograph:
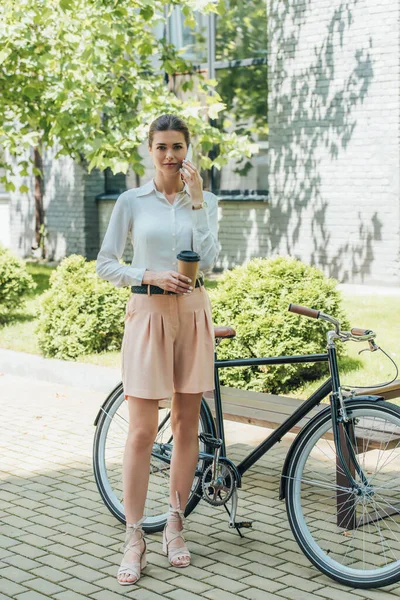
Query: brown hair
(167, 123)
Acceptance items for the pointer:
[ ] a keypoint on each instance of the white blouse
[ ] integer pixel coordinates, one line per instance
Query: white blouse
(158, 231)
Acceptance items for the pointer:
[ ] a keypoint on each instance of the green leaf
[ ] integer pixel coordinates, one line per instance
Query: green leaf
(4, 54)
(30, 91)
(147, 12)
(66, 4)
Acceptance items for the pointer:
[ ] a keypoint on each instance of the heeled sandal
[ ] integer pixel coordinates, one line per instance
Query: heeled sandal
(175, 515)
(133, 569)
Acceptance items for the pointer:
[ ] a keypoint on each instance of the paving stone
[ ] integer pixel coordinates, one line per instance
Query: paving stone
(15, 574)
(7, 542)
(28, 551)
(294, 594)
(57, 562)
(33, 540)
(192, 585)
(62, 550)
(31, 595)
(108, 595)
(54, 575)
(224, 583)
(217, 594)
(262, 583)
(229, 559)
(4, 553)
(10, 588)
(185, 595)
(226, 571)
(155, 585)
(21, 562)
(43, 586)
(300, 583)
(88, 560)
(66, 539)
(257, 594)
(142, 594)
(80, 586)
(336, 594)
(379, 594)
(82, 572)
(262, 558)
(94, 549)
(69, 595)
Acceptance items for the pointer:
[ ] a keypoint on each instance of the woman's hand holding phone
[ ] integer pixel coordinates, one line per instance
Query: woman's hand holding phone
(193, 179)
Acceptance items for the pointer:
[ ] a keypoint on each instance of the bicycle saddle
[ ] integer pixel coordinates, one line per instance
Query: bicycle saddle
(224, 332)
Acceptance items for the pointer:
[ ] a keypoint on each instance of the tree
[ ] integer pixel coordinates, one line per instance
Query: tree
(82, 73)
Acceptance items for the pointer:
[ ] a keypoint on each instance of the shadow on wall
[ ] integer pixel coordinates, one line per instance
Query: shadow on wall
(313, 107)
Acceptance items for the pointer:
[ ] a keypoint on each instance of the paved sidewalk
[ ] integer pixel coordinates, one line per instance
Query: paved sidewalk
(58, 540)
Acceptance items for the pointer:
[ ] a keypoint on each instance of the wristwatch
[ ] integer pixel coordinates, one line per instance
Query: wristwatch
(197, 206)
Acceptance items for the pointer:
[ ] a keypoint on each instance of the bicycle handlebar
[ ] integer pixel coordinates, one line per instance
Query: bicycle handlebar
(357, 334)
(304, 310)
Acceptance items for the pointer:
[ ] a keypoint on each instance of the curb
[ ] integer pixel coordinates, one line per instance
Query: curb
(52, 370)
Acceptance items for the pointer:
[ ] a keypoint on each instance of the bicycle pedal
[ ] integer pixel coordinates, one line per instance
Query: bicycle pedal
(245, 524)
(207, 438)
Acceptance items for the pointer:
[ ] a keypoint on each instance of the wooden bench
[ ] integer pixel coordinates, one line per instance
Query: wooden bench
(270, 410)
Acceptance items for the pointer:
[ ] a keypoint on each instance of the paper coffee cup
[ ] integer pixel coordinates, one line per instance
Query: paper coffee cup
(188, 264)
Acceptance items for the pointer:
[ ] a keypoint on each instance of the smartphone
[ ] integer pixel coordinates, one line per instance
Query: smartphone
(189, 155)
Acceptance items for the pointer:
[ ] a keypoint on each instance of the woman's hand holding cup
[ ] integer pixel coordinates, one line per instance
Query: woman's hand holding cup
(171, 281)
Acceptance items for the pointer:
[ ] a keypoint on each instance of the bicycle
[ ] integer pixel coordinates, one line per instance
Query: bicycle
(340, 478)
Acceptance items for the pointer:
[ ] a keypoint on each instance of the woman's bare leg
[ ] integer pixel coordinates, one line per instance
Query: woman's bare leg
(185, 415)
(143, 424)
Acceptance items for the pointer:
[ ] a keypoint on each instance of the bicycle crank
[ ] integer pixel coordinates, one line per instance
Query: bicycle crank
(218, 483)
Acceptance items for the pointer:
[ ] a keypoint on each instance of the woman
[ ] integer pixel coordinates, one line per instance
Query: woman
(168, 344)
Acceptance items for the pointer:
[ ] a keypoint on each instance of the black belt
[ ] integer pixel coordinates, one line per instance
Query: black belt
(154, 289)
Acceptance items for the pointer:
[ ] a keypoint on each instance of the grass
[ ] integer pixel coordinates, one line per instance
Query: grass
(379, 313)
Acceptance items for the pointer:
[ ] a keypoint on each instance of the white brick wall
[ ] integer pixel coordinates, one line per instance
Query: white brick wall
(69, 205)
(334, 136)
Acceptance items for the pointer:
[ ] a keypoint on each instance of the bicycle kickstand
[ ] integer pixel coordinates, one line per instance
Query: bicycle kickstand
(232, 514)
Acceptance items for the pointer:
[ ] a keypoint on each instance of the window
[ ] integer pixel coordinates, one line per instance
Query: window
(233, 49)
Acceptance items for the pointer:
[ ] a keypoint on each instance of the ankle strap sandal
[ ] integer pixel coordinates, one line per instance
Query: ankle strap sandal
(178, 557)
(133, 569)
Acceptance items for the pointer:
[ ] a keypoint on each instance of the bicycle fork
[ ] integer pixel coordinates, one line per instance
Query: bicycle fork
(347, 465)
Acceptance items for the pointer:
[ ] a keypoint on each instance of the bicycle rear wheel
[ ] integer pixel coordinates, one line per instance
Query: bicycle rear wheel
(108, 450)
(352, 536)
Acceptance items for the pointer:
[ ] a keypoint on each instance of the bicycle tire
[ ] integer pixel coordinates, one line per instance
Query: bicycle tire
(107, 461)
(334, 527)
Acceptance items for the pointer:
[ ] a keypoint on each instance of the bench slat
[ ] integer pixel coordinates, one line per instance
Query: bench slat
(257, 408)
(270, 410)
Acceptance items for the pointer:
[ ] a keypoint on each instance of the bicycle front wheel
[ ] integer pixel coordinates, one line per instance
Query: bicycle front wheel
(351, 535)
(108, 452)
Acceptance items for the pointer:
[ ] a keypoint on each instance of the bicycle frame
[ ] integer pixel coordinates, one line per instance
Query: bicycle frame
(287, 425)
(331, 386)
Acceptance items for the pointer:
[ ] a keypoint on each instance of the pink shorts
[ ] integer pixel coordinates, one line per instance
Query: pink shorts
(168, 345)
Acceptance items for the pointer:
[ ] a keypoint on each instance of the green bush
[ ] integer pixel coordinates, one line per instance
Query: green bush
(15, 281)
(254, 299)
(80, 313)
